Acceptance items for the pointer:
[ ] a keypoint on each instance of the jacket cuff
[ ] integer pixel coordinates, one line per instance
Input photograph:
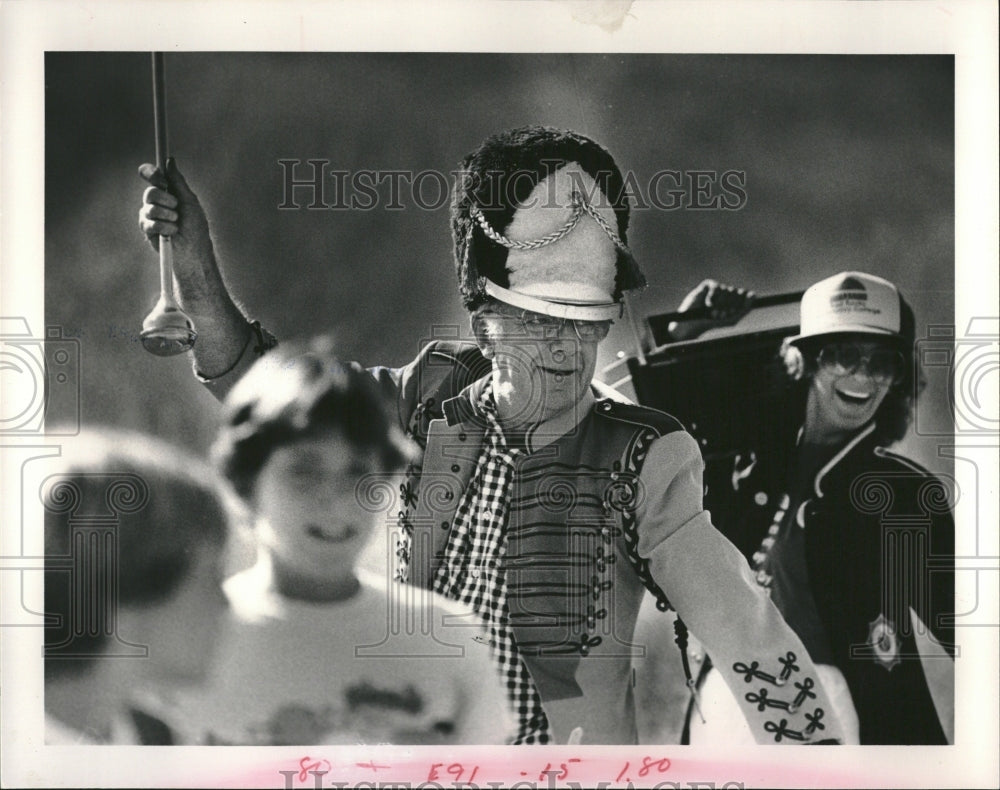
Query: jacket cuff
(761, 659)
(258, 343)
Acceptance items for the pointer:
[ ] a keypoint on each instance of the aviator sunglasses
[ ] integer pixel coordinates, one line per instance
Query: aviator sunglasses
(843, 359)
(540, 326)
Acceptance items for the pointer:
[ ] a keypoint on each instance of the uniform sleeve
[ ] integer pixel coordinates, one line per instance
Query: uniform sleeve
(258, 344)
(933, 620)
(402, 386)
(710, 585)
(397, 385)
(941, 607)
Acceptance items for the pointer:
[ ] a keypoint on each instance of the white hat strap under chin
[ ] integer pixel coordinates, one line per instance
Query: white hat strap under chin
(608, 311)
(579, 205)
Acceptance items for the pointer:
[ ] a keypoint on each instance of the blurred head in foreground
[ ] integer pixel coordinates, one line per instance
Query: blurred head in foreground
(134, 537)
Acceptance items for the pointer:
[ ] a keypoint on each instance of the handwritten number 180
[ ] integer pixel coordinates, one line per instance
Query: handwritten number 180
(648, 764)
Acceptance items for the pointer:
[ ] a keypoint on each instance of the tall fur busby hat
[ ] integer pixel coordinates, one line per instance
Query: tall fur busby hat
(540, 220)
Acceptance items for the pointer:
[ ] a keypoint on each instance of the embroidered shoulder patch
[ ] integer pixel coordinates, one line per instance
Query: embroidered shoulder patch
(884, 642)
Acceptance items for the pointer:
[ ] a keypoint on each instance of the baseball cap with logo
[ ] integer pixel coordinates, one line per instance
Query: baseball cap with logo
(851, 302)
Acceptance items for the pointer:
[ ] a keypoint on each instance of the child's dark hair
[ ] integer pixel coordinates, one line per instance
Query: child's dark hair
(502, 173)
(126, 513)
(298, 391)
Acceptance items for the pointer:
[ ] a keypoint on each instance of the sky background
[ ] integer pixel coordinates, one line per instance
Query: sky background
(848, 164)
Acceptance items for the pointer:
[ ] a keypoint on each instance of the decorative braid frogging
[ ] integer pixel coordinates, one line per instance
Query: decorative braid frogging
(634, 456)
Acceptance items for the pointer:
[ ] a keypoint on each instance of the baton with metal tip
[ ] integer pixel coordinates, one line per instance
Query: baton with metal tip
(167, 330)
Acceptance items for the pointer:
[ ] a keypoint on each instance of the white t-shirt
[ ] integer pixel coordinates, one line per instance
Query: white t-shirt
(392, 664)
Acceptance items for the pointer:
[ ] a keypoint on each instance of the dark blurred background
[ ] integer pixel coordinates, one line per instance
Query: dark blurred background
(848, 161)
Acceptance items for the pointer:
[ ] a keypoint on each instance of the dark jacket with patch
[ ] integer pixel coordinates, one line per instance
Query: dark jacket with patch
(879, 542)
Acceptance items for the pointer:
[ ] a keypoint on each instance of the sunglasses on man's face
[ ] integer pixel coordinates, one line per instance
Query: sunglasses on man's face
(537, 325)
(843, 359)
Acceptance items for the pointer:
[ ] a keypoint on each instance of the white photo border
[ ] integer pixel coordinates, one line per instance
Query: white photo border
(966, 29)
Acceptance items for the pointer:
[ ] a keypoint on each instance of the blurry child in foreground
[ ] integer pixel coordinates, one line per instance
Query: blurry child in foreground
(134, 536)
(319, 651)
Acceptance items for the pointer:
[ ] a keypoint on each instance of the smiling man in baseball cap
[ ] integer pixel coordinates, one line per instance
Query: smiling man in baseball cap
(839, 530)
(859, 330)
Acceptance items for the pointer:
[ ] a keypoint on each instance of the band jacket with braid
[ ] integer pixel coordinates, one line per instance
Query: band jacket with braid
(879, 546)
(605, 495)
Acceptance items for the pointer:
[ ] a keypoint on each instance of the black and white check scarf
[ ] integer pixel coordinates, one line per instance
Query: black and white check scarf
(472, 570)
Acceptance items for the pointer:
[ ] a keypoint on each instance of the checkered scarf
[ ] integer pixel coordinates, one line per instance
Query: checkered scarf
(472, 570)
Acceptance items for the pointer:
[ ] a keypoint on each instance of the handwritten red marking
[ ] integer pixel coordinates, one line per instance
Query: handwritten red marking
(662, 766)
(456, 770)
(565, 768)
(372, 765)
(305, 767)
(560, 773)
(622, 772)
